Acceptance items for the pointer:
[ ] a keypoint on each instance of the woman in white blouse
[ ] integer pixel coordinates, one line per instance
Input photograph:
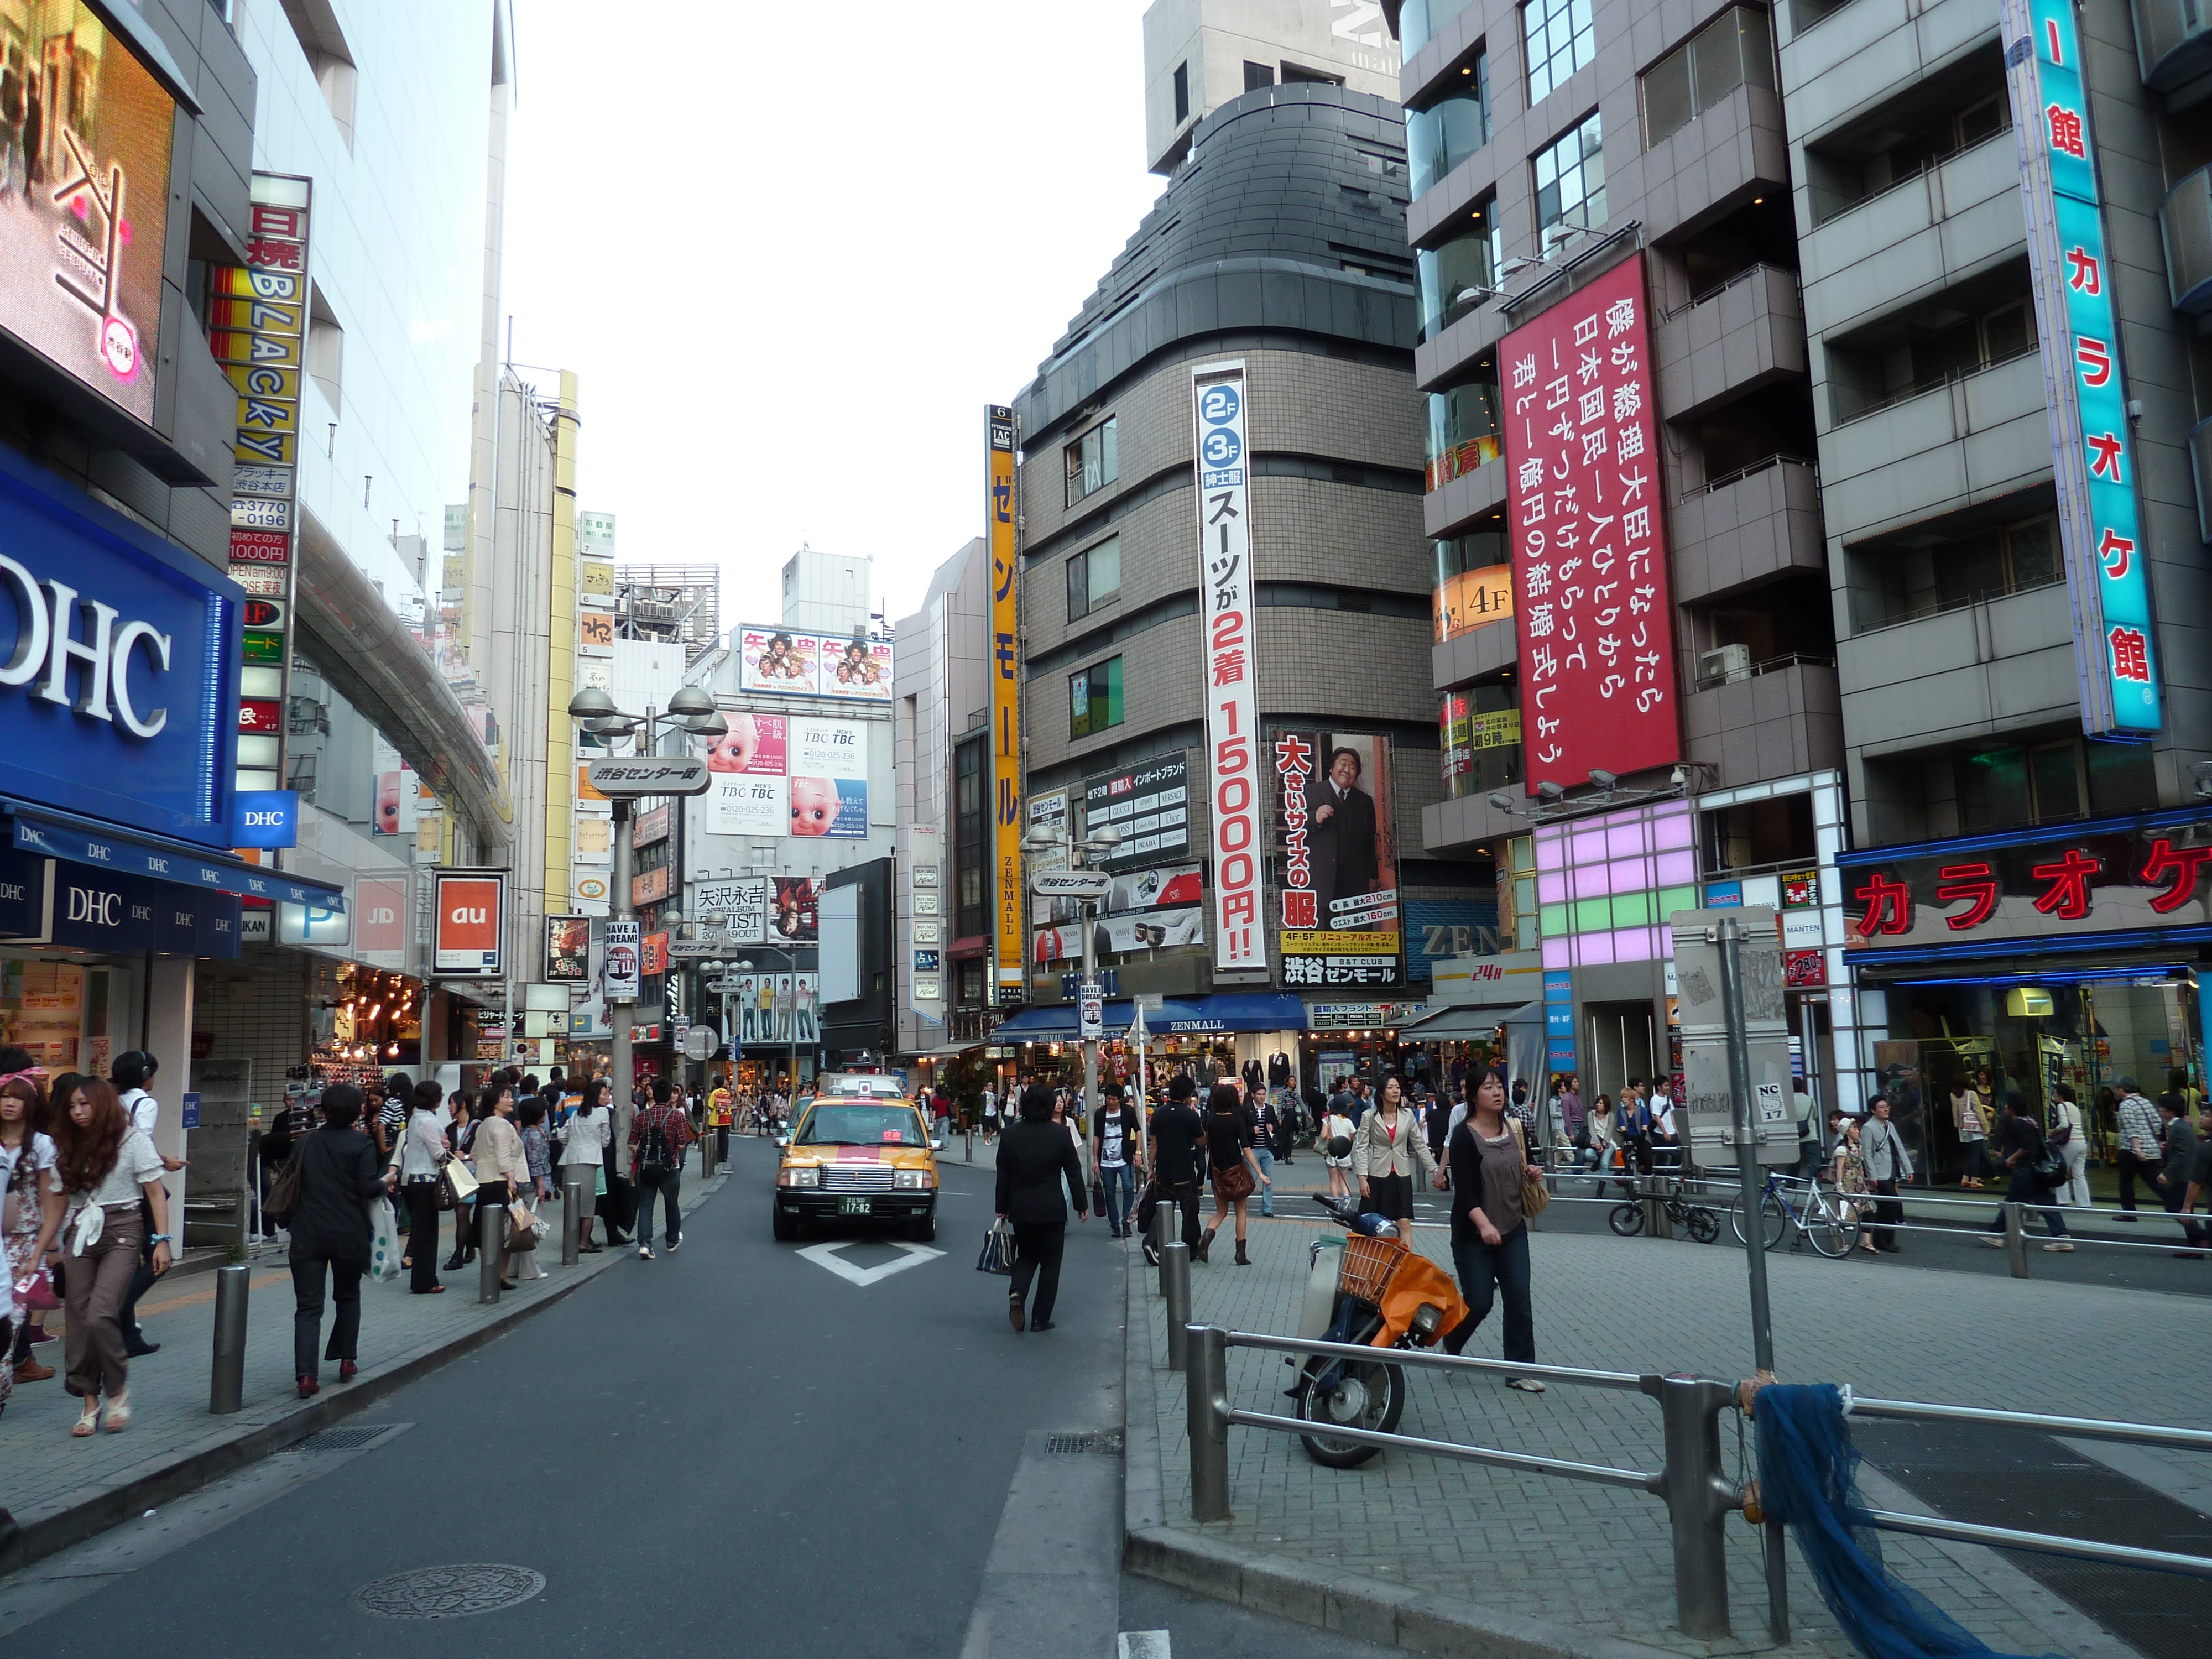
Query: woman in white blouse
(413, 1170)
(584, 1155)
(103, 1167)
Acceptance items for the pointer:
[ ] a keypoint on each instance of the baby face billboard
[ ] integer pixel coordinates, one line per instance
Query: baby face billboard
(782, 774)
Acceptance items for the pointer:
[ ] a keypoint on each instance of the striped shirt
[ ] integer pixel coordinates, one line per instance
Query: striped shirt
(2138, 1127)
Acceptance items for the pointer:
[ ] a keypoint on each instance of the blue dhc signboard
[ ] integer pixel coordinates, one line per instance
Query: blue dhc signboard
(118, 687)
(265, 818)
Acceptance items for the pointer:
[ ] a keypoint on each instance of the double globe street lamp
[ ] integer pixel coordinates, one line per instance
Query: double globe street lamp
(1102, 842)
(690, 711)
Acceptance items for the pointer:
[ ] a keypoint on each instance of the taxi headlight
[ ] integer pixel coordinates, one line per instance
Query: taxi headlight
(910, 1179)
(799, 1175)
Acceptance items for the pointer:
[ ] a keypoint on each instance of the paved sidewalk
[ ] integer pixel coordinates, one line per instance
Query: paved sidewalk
(62, 1490)
(1545, 1565)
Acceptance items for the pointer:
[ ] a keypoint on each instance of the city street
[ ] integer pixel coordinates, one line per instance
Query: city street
(734, 1447)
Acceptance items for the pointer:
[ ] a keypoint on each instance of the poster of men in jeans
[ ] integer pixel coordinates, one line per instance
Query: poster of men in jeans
(1337, 869)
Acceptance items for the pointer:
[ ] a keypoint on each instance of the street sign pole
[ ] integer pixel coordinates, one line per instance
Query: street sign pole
(1747, 1134)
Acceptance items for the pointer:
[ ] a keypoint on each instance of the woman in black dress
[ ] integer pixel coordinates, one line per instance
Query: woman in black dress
(1236, 1171)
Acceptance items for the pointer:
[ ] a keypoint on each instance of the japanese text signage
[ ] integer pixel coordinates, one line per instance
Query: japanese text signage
(1148, 806)
(2037, 888)
(1337, 873)
(1232, 722)
(2093, 445)
(1589, 539)
(1006, 694)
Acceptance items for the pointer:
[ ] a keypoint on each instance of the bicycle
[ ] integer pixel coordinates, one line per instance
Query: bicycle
(1701, 1223)
(1823, 1219)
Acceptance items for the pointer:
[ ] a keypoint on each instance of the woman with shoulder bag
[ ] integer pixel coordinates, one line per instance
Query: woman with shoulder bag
(412, 1173)
(1489, 1206)
(1236, 1171)
(584, 1157)
(1388, 1156)
(338, 1180)
(2071, 1143)
(461, 1141)
(106, 1167)
(501, 1159)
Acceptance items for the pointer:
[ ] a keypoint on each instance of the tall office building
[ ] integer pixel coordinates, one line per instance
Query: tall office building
(1911, 385)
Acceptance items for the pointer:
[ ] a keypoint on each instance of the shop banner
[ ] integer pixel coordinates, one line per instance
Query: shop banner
(778, 774)
(1009, 916)
(567, 948)
(653, 958)
(795, 921)
(785, 662)
(771, 1009)
(1225, 612)
(470, 922)
(1149, 930)
(2085, 385)
(2033, 889)
(1337, 874)
(622, 952)
(1149, 805)
(1589, 536)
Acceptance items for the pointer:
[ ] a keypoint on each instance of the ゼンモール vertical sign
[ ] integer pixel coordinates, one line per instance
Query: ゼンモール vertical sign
(2094, 449)
(1589, 536)
(1005, 697)
(1233, 753)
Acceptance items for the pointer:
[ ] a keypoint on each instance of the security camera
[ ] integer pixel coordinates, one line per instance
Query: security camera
(1678, 776)
(1603, 778)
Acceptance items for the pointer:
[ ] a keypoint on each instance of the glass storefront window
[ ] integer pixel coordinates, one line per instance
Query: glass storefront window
(1463, 428)
(1466, 265)
(1479, 732)
(1474, 582)
(1445, 133)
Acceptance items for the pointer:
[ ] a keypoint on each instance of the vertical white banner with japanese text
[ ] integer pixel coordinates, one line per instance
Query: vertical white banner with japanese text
(1232, 723)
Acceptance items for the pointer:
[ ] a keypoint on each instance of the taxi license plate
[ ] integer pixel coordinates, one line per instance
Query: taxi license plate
(855, 1205)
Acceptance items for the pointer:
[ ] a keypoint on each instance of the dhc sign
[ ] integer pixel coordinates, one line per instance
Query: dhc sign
(118, 664)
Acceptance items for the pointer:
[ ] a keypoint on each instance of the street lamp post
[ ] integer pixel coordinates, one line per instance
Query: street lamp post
(691, 711)
(1103, 842)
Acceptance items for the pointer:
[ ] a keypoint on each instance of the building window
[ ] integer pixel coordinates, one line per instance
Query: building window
(1902, 584)
(1094, 698)
(1182, 93)
(970, 991)
(970, 824)
(1570, 180)
(1093, 461)
(1456, 276)
(325, 362)
(1451, 127)
(1474, 580)
(1463, 431)
(1257, 76)
(1094, 578)
(1731, 50)
(1561, 39)
(1420, 20)
(1479, 733)
(2001, 787)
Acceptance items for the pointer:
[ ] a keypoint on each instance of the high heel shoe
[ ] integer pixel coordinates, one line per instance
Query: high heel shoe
(455, 1263)
(1242, 1260)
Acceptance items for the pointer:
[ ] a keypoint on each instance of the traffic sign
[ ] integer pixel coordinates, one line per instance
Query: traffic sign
(1070, 884)
(649, 774)
(1710, 1107)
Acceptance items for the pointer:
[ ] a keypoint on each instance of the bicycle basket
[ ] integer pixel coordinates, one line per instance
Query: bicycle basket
(1368, 1265)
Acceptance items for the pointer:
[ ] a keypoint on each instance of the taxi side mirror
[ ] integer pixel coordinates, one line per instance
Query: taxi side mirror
(938, 1145)
(783, 1140)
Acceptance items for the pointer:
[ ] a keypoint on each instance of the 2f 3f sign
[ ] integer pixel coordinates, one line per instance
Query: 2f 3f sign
(471, 924)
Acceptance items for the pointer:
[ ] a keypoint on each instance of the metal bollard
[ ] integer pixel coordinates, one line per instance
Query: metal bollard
(1657, 1224)
(2016, 1220)
(227, 1387)
(575, 1209)
(1697, 1499)
(1208, 1383)
(1162, 1216)
(1175, 1285)
(491, 1238)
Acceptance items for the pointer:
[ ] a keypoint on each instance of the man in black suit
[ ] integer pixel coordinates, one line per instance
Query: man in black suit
(1037, 1166)
(1344, 862)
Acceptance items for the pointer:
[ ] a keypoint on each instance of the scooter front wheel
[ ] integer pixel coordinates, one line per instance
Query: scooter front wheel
(1369, 1394)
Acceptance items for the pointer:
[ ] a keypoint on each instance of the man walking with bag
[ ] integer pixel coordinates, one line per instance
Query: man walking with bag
(1173, 1155)
(1887, 1162)
(658, 1141)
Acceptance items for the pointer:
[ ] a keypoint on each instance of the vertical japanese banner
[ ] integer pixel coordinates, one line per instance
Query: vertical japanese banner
(259, 332)
(1008, 944)
(1232, 728)
(2092, 448)
(1589, 537)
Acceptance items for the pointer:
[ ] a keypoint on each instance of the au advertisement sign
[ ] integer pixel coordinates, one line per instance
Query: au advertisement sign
(84, 145)
(1340, 922)
(786, 663)
(1225, 611)
(1589, 536)
(785, 774)
(469, 917)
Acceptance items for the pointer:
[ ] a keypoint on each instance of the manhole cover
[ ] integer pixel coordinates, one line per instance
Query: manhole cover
(452, 1592)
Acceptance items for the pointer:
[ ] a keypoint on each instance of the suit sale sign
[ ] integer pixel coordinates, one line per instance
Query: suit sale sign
(1336, 859)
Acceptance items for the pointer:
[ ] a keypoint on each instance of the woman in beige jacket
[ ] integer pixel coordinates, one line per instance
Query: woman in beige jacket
(1390, 1156)
(499, 1157)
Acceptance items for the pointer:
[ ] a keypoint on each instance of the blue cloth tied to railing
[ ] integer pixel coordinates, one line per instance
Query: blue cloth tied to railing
(1809, 1478)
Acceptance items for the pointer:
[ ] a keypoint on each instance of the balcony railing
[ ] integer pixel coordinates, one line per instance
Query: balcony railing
(1719, 288)
(1928, 164)
(1906, 394)
(1743, 472)
(1771, 665)
(1942, 607)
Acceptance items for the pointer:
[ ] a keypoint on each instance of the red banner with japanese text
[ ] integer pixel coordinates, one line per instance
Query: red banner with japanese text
(1589, 538)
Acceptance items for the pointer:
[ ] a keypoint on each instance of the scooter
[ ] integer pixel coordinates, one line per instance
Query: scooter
(1371, 1289)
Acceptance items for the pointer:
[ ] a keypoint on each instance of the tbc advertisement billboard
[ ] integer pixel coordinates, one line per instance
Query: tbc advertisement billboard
(1589, 536)
(1339, 874)
(786, 775)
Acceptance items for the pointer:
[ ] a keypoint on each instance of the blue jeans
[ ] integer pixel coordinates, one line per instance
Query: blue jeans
(1266, 1194)
(1121, 1185)
(1483, 1271)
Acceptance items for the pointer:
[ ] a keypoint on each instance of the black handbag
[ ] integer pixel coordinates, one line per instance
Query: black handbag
(998, 1253)
(1097, 1196)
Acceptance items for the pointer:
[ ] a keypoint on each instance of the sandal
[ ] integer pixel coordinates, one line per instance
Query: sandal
(119, 1412)
(83, 1427)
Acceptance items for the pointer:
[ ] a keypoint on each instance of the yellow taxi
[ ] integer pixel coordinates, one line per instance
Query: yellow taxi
(857, 1150)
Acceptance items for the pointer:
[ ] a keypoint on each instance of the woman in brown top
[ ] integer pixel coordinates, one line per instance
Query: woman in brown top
(502, 1168)
(1490, 1236)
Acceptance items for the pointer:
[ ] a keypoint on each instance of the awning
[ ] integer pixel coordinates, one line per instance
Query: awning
(1054, 1022)
(85, 840)
(1479, 1018)
(952, 1052)
(1228, 1011)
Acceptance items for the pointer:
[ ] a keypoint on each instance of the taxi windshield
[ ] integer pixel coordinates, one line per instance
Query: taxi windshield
(834, 1123)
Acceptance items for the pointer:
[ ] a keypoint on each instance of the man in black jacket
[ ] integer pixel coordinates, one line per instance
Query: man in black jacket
(1344, 862)
(1034, 1155)
(1176, 1136)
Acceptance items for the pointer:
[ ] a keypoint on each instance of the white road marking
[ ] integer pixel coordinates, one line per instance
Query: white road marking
(825, 1255)
(1145, 1644)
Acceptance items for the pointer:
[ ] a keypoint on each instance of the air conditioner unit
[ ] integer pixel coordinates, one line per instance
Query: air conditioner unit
(1725, 663)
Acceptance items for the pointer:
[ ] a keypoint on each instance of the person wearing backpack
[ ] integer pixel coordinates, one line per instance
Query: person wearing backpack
(2032, 1168)
(658, 1140)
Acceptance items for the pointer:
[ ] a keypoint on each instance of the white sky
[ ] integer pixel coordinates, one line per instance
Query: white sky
(792, 251)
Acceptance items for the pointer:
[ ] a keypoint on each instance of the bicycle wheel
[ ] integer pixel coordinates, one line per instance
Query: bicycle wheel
(1774, 1220)
(1831, 1226)
(1627, 1219)
(1702, 1224)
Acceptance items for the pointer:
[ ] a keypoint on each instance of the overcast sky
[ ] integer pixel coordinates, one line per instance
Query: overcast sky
(793, 251)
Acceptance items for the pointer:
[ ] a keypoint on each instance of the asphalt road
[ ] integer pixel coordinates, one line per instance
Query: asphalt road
(732, 1448)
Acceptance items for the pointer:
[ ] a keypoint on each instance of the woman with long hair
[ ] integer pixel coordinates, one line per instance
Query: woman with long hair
(502, 1166)
(1603, 1132)
(103, 1167)
(461, 1141)
(1490, 1234)
(585, 1153)
(1389, 1157)
(30, 1218)
(412, 1172)
(1336, 1147)
(1236, 1167)
(338, 1180)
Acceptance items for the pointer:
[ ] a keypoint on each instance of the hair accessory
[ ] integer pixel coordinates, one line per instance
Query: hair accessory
(28, 1074)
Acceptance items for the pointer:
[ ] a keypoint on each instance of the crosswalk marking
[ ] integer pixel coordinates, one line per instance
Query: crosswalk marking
(1144, 1644)
(825, 1255)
